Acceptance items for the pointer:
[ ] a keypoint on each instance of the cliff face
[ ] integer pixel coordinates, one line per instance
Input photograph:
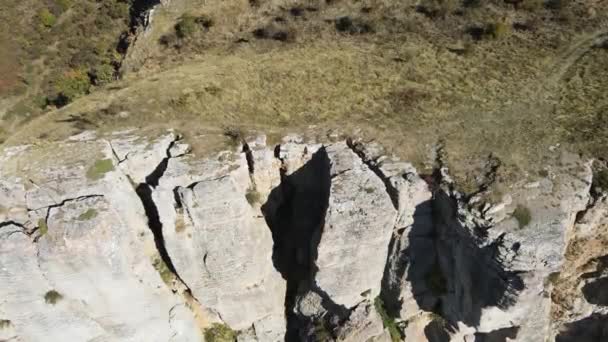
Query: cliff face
(128, 238)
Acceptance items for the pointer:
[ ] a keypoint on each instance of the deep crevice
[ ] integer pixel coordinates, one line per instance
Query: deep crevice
(373, 165)
(295, 213)
(249, 158)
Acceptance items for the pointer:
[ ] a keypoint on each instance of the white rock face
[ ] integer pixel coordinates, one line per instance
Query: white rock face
(129, 238)
(352, 250)
(78, 266)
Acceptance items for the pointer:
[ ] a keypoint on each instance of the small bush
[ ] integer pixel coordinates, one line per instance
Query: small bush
(71, 85)
(523, 215)
(103, 74)
(63, 5)
(117, 9)
(219, 333)
(387, 320)
(532, 5)
(163, 270)
(4, 323)
(252, 196)
(52, 297)
(43, 228)
(600, 179)
(188, 25)
(46, 18)
(497, 30)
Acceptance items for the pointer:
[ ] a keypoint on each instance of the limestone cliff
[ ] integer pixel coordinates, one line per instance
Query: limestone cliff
(126, 237)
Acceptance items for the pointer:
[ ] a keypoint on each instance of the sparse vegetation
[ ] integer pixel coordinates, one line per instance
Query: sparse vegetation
(523, 215)
(252, 196)
(87, 215)
(43, 228)
(188, 27)
(52, 297)
(71, 85)
(600, 179)
(388, 321)
(5, 323)
(47, 19)
(219, 333)
(163, 270)
(99, 169)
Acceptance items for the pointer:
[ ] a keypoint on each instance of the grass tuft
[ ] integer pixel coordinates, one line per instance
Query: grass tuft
(388, 321)
(87, 215)
(43, 228)
(5, 323)
(523, 215)
(219, 333)
(100, 168)
(252, 196)
(52, 297)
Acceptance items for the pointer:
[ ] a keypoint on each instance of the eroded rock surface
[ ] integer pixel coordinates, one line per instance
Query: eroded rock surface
(299, 241)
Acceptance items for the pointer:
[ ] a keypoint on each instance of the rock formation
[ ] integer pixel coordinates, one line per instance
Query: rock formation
(126, 237)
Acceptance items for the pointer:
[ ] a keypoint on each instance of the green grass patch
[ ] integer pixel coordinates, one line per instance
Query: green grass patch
(87, 215)
(52, 297)
(163, 270)
(523, 215)
(99, 169)
(387, 320)
(219, 333)
(43, 228)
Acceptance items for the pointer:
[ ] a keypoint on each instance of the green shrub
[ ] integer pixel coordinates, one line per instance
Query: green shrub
(163, 270)
(71, 85)
(63, 5)
(523, 215)
(188, 25)
(4, 323)
(52, 297)
(117, 9)
(532, 5)
(252, 196)
(497, 30)
(387, 320)
(43, 228)
(46, 18)
(600, 179)
(219, 333)
(103, 74)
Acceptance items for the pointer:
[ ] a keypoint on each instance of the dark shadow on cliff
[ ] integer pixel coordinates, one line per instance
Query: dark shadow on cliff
(596, 292)
(448, 270)
(590, 329)
(295, 213)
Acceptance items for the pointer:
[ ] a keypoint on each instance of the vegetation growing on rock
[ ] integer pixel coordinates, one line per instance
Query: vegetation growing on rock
(220, 333)
(523, 215)
(87, 215)
(388, 321)
(52, 297)
(4, 323)
(100, 168)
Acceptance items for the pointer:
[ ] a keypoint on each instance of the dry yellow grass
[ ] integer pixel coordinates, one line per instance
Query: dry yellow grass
(409, 84)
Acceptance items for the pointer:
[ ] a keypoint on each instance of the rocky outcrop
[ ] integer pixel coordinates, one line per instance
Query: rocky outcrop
(299, 241)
